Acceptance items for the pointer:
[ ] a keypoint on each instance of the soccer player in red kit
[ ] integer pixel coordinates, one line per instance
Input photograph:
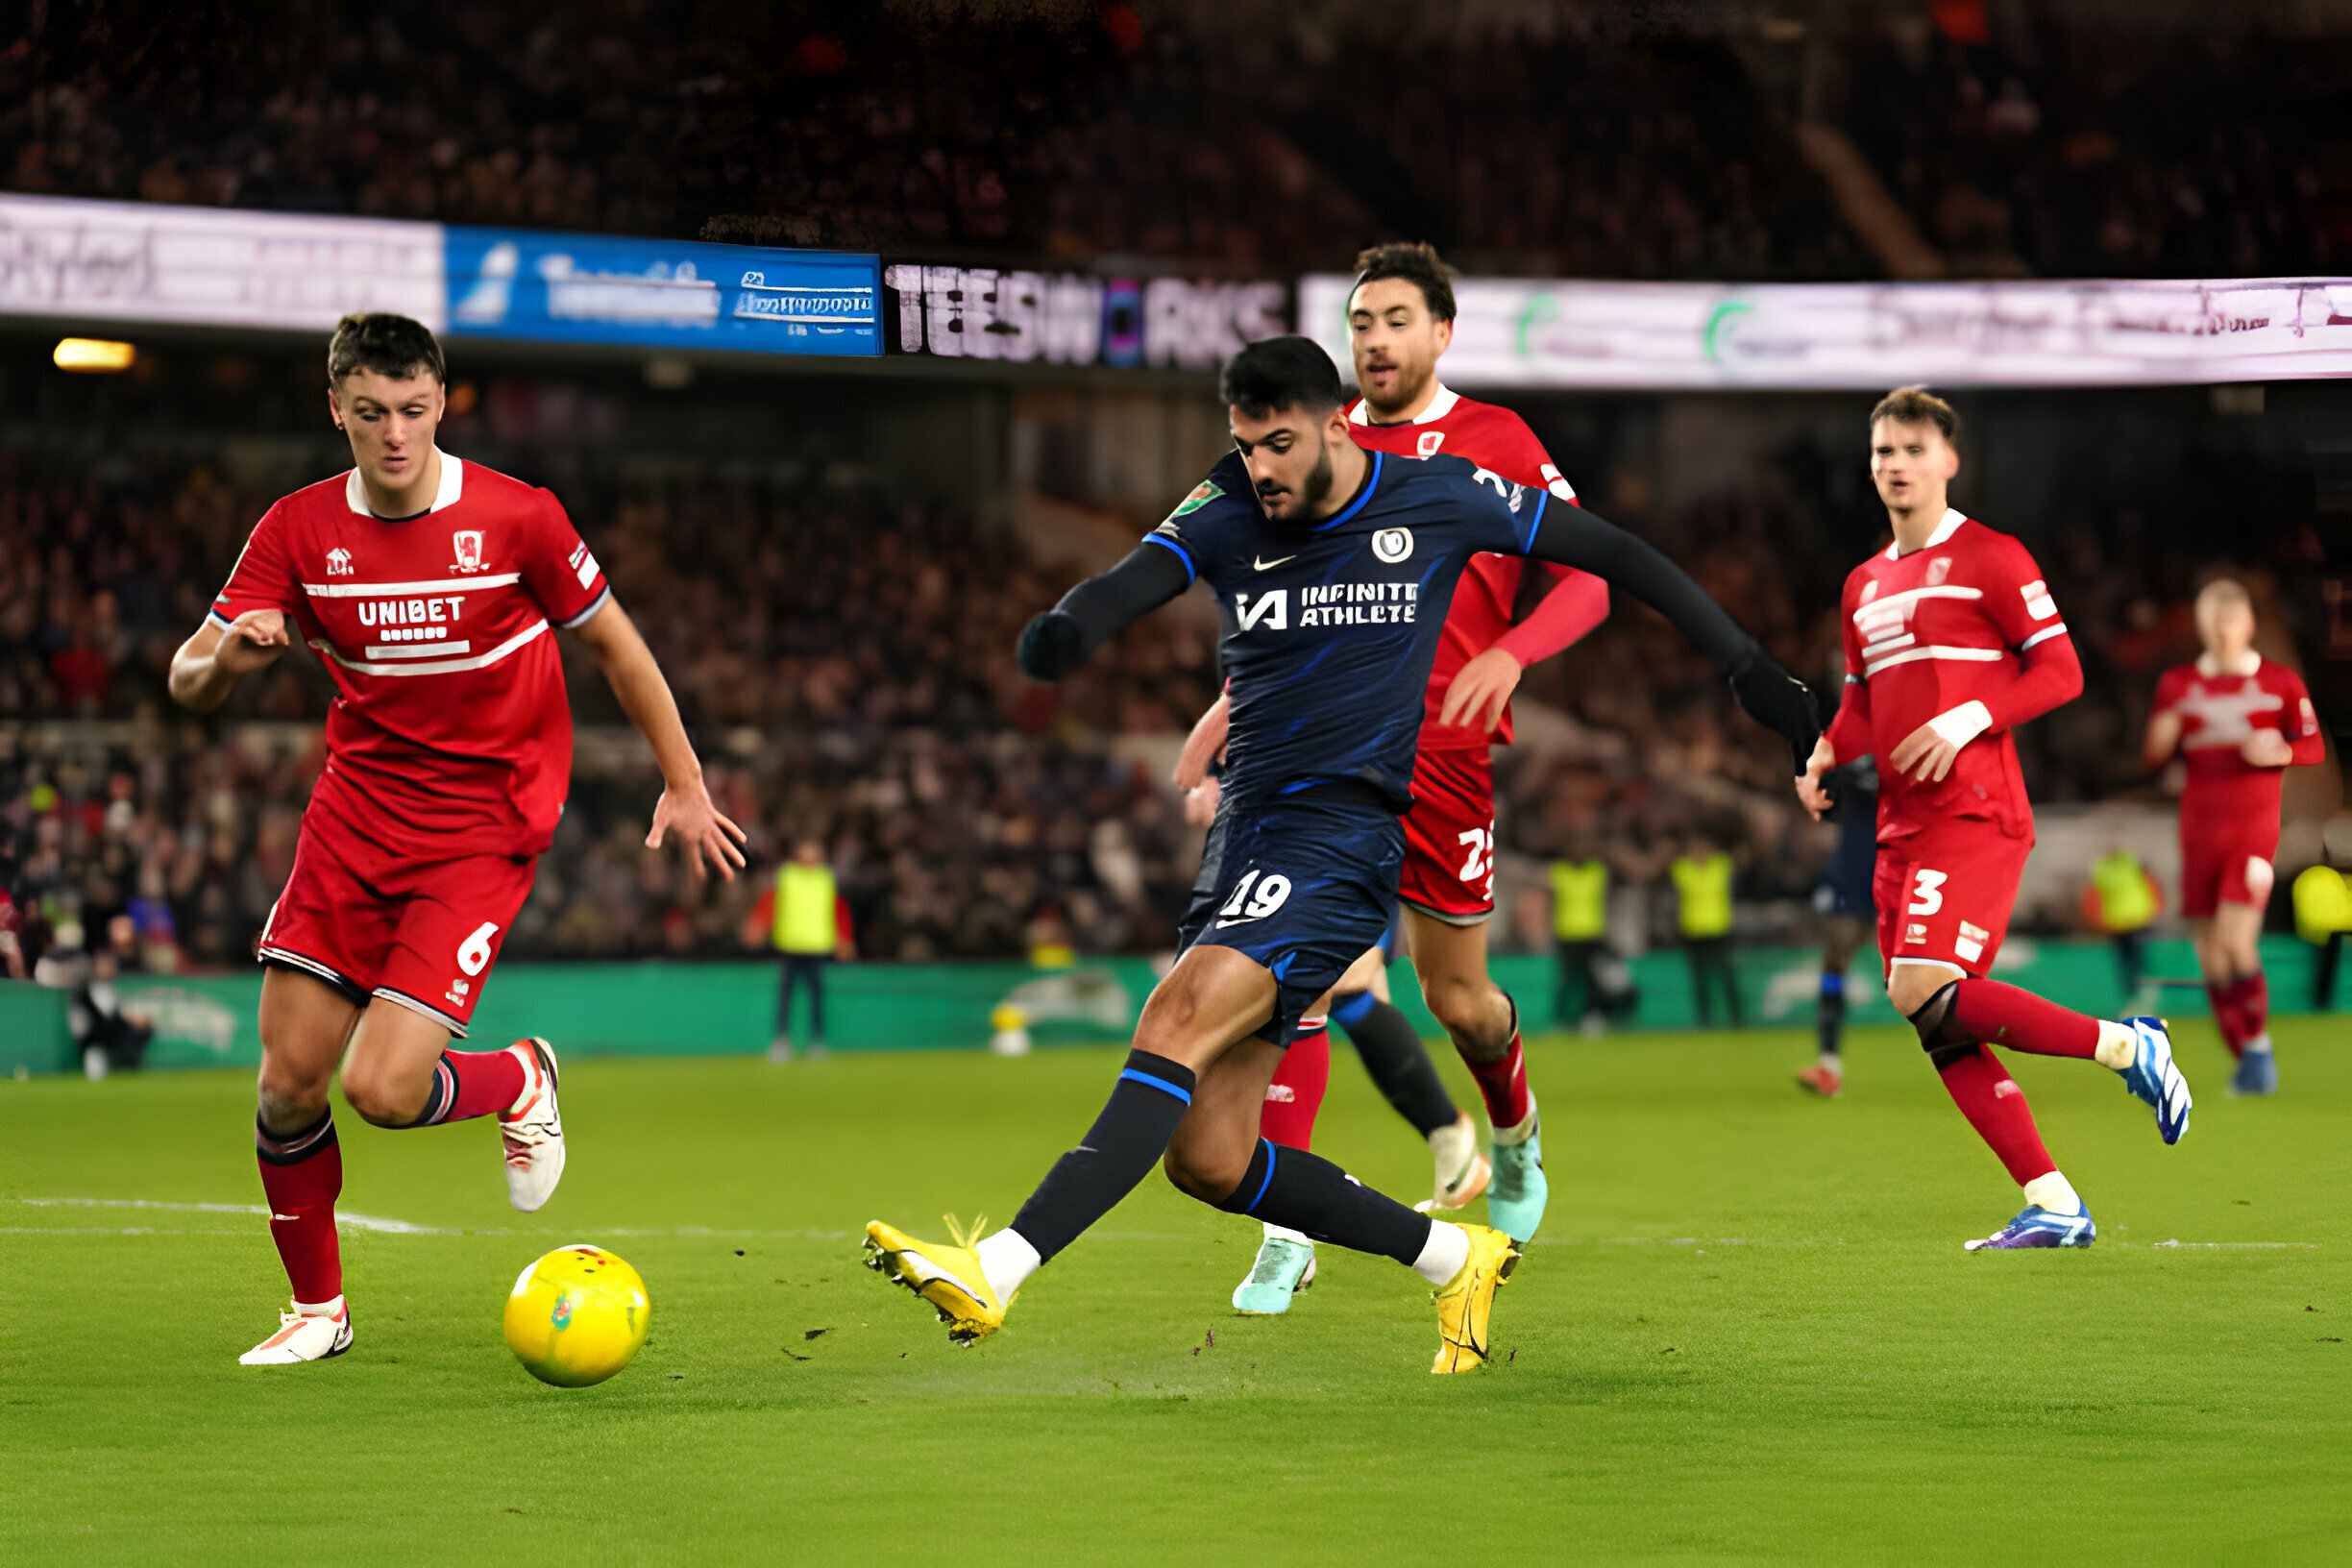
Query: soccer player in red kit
(1951, 641)
(1399, 320)
(2240, 721)
(429, 588)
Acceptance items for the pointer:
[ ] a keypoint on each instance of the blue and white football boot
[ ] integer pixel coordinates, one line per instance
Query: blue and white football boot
(2154, 1077)
(2038, 1227)
(1284, 1268)
(2257, 1073)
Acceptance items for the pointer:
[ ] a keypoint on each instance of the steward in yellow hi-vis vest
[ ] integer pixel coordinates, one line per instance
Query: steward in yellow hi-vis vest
(1702, 888)
(807, 925)
(1582, 996)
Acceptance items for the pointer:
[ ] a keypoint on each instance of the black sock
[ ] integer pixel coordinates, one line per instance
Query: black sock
(1399, 1064)
(1308, 1193)
(1830, 1013)
(1119, 1151)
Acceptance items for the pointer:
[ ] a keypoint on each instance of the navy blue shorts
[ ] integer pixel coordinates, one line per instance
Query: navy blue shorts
(1302, 884)
(1845, 886)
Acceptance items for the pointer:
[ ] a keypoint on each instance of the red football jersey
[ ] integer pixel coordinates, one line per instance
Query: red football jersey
(2217, 714)
(450, 733)
(1493, 438)
(1924, 633)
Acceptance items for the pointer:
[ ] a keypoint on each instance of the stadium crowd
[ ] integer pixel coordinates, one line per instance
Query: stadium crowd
(851, 677)
(1534, 139)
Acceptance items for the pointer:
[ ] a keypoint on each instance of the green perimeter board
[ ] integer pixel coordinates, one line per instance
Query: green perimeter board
(660, 1008)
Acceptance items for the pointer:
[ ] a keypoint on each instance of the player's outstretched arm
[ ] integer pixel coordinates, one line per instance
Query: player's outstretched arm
(1576, 536)
(685, 807)
(208, 664)
(2164, 738)
(1059, 641)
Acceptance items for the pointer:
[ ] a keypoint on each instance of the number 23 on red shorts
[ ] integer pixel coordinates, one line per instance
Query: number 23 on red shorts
(1945, 894)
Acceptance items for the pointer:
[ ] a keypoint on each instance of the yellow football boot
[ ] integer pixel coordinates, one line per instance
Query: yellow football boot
(1467, 1300)
(949, 1277)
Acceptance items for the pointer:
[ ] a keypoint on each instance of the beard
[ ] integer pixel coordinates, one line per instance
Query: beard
(1319, 482)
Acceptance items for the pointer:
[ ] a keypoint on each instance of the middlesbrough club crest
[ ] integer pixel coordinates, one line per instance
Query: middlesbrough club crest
(467, 543)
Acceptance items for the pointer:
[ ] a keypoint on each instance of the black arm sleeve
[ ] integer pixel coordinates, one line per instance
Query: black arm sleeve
(1058, 642)
(1579, 537)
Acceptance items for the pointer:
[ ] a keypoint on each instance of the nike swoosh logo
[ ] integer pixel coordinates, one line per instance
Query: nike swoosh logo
(1244, 919)
(1265, 565)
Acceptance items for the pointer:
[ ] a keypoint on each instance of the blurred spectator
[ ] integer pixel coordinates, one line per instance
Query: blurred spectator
(1703, 891)
(805, 923)
(2121, 902)
(1580, 927)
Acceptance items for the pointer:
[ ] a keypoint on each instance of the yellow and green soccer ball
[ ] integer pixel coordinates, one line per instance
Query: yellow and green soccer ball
(577, 1315)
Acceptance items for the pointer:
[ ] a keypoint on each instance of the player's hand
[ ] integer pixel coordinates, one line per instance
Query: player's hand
(1781, 702)
(1052, 645)
(1480, 690)
(253, 641)
(1201, 803)
(1812, 792)
(1926, 754)
(2267, 748)
(1205, 745)
(702, 828)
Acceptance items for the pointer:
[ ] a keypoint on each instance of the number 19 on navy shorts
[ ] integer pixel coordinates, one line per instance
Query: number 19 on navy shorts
(1302, 884)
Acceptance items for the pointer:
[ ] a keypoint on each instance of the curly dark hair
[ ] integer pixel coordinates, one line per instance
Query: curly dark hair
(1416, 264)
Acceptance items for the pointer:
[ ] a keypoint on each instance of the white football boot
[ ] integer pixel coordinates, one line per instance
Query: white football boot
(313, 1335)
(532, 1129)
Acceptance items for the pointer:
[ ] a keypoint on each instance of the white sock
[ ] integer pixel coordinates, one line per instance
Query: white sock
(2117, 1045)
(1284, 1233)
(319, 1309)
(1007, 1258)
(1832, 1063)
(2053, 1192)
(2260, 1043)
(1443, 1254)
(1506, 1137)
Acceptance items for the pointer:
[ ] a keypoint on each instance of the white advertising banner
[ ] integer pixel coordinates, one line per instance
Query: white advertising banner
(213, 266)
(1515, 333)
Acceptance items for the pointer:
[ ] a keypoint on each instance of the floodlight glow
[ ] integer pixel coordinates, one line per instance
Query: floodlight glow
(93, 354)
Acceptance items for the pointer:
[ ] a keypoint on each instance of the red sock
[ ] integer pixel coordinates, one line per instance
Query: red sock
(302, 1174)
(2253, 1004)
(1503, 1083)
(1996, 1107)
(469, 1084)
(2001, 1014)
(1296, 1093)
(2223, 999)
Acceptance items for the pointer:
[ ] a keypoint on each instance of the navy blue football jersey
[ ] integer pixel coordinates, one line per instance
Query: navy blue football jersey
(1330, 629)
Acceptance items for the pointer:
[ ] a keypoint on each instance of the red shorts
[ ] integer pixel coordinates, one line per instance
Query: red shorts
(420, 933)
(2225, 862)
(1449, 837)
(1944, 893)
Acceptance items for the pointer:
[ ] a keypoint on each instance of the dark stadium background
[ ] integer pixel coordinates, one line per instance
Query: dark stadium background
(832, 562)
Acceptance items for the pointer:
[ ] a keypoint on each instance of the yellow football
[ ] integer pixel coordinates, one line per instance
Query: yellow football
(577, 1315)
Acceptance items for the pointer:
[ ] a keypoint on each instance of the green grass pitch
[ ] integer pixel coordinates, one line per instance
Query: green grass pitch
(1748, 1335)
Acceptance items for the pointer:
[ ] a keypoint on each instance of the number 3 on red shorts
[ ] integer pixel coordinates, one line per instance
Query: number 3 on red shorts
(474, 953)
(1927, 892)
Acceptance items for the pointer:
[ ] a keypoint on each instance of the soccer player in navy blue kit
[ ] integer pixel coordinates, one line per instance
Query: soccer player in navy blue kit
(1334, 568)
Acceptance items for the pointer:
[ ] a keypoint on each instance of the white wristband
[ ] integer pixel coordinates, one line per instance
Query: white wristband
(1962, 724)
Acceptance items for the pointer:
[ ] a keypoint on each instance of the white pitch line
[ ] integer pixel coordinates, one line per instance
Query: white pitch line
(357, 1222)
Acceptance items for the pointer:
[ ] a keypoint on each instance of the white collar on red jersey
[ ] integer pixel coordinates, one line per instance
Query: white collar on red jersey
(1953, 517)
(452, 484)
(2211, 667)
(1440, 406)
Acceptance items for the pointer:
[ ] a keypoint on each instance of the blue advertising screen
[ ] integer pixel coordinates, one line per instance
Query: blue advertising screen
(676, 294)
